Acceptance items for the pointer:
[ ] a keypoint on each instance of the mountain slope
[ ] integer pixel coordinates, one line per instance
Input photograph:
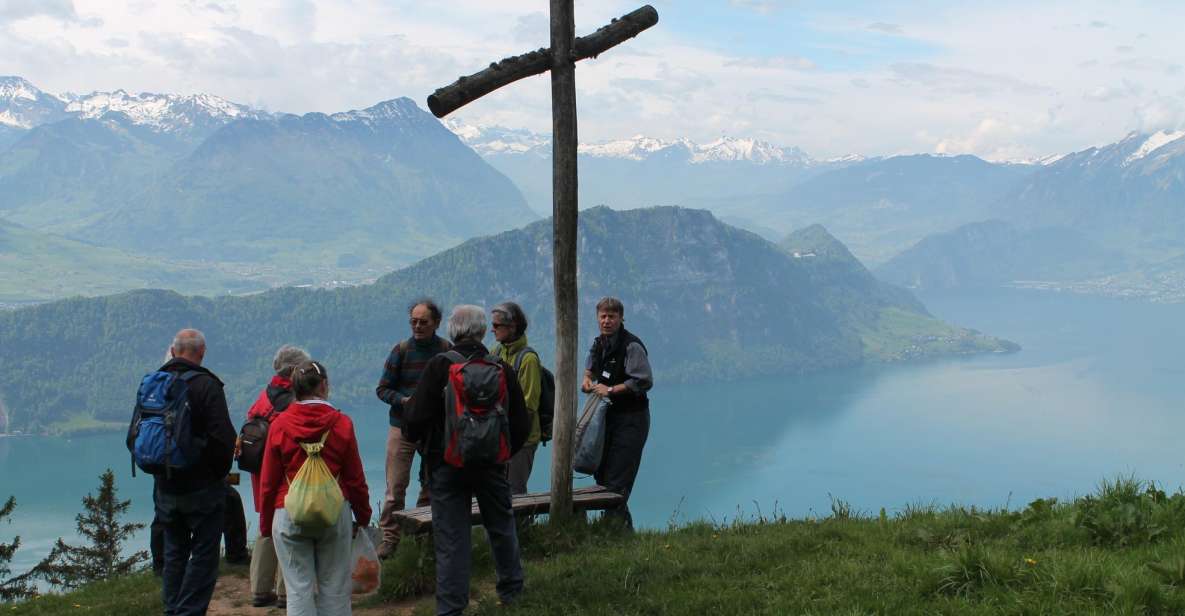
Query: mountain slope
(882, 206)
(23, 105)
(42, 266)
(994, 253)
(376, 186)
(712, 302)
(1127, 195)
(642, 171)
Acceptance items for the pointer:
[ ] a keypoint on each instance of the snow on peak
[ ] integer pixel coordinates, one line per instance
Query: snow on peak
(486, 140)
(637, 147)
(752, 150)
(396, 109)
(1152, 143)
(164, 112)
(23, 105)
(13, 88)
(494, 140)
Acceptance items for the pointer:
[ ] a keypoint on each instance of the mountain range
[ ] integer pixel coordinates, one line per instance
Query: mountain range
(372, 189)
(712, 302)
(1080, 215)
(199, 178)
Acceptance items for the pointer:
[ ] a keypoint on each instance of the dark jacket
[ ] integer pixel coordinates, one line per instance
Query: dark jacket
(210, 419)
(424, 419)
(622, 359)
(401, 372)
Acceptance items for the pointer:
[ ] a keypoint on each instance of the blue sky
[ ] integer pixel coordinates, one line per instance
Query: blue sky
(1002, 80)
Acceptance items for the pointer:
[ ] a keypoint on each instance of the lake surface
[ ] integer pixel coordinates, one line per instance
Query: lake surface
(1099, 390)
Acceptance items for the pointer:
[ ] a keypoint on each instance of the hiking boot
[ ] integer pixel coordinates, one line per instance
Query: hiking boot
(263, 600)
(386, 549)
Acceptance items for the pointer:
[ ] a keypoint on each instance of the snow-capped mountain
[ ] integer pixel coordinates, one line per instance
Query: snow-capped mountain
(1151, 144)
(160, 112)
(23, 105)
(1126, 194)
(498, 140)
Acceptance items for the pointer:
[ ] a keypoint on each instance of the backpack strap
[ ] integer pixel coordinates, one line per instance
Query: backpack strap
(188, 375)
(518, 360)
(455, 356)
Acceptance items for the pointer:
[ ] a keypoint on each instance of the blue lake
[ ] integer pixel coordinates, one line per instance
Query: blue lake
(1099, 390)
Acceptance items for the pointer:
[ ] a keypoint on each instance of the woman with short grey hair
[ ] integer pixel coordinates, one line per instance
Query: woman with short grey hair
(267, 581)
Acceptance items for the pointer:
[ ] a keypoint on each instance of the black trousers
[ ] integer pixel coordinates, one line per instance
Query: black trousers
(234, 533)
(625, 438)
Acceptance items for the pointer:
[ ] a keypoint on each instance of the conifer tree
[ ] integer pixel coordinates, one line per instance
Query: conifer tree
(70, 566)
(18, 587)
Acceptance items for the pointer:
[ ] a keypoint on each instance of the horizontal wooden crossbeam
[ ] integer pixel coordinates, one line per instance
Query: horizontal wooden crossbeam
(591, 498)
(468, 89)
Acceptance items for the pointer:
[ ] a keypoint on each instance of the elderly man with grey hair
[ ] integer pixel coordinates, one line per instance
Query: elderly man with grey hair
(453, 486)
(190, 502)
(267, 581)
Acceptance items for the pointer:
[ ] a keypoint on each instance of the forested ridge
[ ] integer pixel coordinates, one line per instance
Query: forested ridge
(712, 302)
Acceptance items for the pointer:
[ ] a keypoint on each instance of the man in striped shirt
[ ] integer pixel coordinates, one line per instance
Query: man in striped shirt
(401, 374)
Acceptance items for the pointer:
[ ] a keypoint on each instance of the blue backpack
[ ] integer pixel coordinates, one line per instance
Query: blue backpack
(161, 436)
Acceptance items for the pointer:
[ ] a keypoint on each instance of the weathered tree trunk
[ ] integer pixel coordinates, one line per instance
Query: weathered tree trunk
(564, 219)
(468, 89)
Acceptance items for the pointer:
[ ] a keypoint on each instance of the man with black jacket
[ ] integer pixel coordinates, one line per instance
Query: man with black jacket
(618, 368)
(190, 503)
(452, 486)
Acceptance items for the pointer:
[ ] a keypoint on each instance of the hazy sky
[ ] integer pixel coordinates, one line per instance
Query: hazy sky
(1001, 79)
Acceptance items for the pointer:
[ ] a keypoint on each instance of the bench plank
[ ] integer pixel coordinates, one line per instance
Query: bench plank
(589, 498)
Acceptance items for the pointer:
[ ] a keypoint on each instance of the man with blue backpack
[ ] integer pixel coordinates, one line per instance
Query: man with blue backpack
(182, 435)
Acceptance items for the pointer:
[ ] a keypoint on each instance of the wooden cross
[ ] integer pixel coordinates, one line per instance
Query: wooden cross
(561, 60)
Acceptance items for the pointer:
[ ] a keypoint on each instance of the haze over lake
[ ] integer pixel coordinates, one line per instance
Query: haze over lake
(1098, 390)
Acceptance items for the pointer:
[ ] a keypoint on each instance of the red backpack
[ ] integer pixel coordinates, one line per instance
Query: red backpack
(476, 424)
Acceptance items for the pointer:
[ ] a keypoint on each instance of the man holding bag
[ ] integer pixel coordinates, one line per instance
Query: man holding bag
(618, 368)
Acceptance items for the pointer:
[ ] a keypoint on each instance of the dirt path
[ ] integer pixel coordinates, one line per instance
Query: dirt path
(232, 597)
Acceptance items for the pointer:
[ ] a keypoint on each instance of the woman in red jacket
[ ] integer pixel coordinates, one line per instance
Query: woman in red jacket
(314, 563)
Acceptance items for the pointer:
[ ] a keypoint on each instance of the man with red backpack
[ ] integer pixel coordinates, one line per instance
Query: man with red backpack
(470, 432)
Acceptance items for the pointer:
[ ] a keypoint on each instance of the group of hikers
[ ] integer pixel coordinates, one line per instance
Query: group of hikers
(472, 414)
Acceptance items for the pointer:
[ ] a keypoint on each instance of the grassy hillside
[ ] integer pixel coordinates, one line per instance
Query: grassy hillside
(41, 266)
(1117, 551)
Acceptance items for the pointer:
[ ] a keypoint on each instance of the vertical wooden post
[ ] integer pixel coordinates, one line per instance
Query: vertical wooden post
(564, 215)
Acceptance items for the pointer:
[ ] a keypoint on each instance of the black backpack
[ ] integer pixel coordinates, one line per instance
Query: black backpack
(546, 394)
(253, 434)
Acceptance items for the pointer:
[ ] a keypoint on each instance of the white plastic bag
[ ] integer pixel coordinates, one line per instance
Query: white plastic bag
(590, 435)
(366, 568)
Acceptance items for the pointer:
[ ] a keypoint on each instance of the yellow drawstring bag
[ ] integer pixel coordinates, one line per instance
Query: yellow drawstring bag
(314, 499)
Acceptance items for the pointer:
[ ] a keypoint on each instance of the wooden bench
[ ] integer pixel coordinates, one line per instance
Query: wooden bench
(590, 498)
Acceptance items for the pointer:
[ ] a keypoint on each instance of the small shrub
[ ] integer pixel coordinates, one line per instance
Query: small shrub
(973, 569)
(411, 570)
(1123, 513)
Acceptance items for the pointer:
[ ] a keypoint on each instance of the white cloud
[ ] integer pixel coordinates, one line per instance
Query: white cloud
(1057, 80)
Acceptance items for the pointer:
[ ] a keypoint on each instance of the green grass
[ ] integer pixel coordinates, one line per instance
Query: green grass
(901, 335)
(1120, 550)
(81, 424)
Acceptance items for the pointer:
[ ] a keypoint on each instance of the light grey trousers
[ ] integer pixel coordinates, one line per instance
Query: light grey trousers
(316, 567)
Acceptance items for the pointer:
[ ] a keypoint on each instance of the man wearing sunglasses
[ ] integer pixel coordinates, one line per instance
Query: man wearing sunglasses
(401, 374)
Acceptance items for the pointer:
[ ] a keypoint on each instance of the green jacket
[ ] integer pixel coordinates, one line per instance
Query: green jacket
(529, 378)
